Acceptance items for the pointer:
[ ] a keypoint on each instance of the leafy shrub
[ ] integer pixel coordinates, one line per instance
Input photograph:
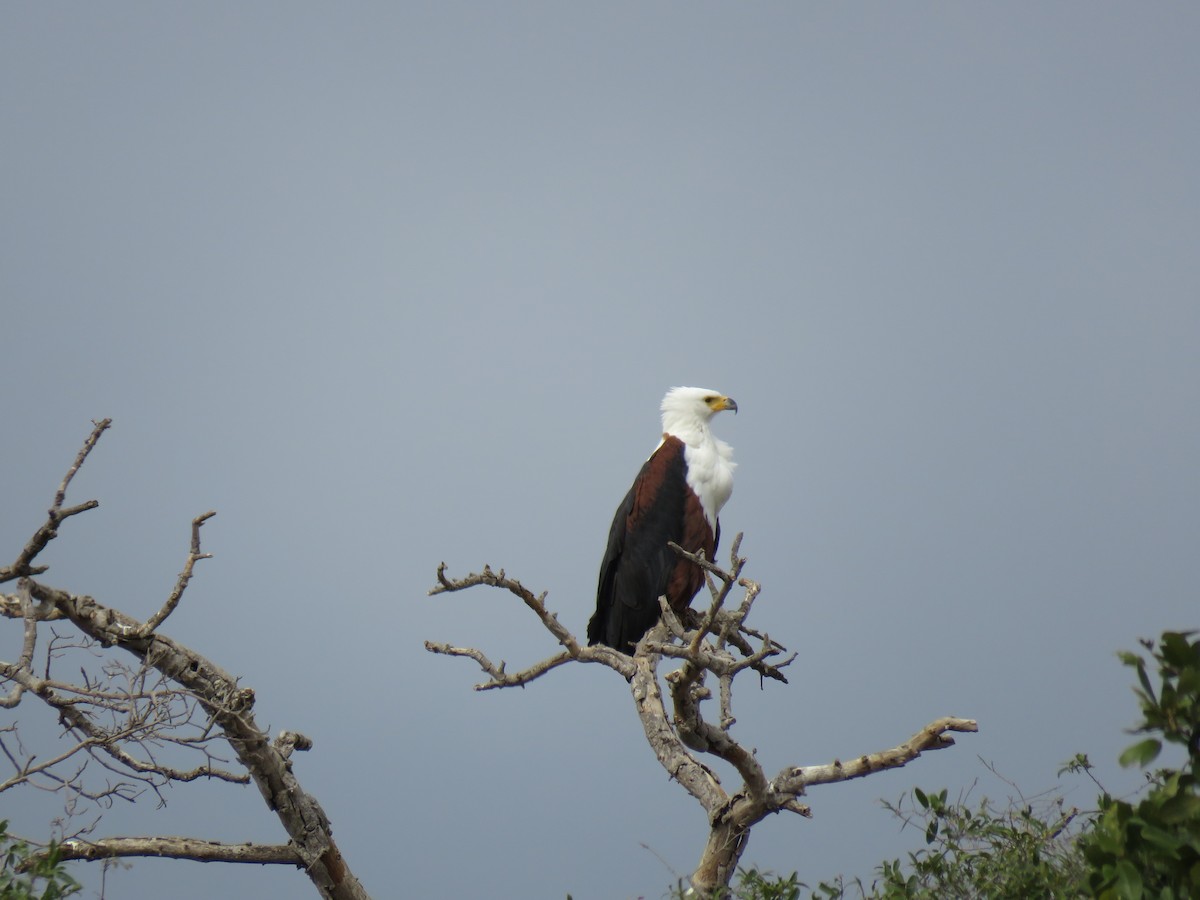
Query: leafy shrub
(1152, 848)
(28, 875)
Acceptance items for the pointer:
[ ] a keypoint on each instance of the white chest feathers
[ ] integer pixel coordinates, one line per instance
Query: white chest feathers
(710, 468)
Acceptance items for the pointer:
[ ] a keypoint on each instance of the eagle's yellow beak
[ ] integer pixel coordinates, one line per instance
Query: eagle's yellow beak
(716, 404)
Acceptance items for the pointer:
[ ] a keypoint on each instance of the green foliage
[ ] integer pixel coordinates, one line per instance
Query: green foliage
(1018, 850)
(1125, 851)
(1152, 848)
(750, 884)
(755, 885)
(28, 875)
(1023, 849)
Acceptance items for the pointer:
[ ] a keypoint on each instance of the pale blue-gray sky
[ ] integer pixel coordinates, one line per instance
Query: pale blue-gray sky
(387, 284)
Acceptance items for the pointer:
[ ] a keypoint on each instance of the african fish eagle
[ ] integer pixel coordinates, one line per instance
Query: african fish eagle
(675, 497)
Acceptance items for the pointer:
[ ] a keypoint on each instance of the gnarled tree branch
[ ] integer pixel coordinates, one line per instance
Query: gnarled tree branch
(194, 555)
(48, 531)
(180, 848)
(122, 722)
(715, 643)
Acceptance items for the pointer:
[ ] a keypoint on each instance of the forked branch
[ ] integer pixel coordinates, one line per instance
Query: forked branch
(194, 556)
(715, 643)
(55, 516)
(500, 678)
(131, 721)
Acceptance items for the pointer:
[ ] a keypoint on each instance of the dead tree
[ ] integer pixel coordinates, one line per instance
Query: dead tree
(141, 703)
(712, 648)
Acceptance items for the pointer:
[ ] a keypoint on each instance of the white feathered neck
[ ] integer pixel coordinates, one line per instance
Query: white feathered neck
(710, 465)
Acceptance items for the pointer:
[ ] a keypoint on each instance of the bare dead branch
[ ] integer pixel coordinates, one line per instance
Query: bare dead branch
(708, 565)
(933, 736)
(288, 741)
(136, 725)
(500, 580)
(704, 645)
(698, 734)
(48, 531)
(664, 739)
(128, 725)
(99, 429)
(28, 643)
(179, 848)
(231, 709)
(27, 769)
(12, 607)
(499, 677)
(185, 577)
(573, 650)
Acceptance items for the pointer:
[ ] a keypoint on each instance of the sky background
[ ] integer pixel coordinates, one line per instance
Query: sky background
(391, 284)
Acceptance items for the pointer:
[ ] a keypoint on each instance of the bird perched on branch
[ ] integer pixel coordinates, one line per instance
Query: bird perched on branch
(676, 497)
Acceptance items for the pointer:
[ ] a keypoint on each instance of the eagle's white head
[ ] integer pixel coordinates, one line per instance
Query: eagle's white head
(686, 409)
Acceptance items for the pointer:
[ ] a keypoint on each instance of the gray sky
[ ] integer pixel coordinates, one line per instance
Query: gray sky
(389, 284)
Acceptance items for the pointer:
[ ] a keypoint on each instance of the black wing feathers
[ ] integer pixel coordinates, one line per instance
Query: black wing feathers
(598, 626)
(638, 563)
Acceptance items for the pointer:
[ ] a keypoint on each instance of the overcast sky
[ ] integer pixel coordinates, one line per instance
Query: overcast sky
(389, 284)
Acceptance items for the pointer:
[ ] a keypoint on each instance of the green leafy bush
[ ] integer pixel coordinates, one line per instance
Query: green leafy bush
(1024, 849)
(28, 875)
(1152, 848)
(1124, 850)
